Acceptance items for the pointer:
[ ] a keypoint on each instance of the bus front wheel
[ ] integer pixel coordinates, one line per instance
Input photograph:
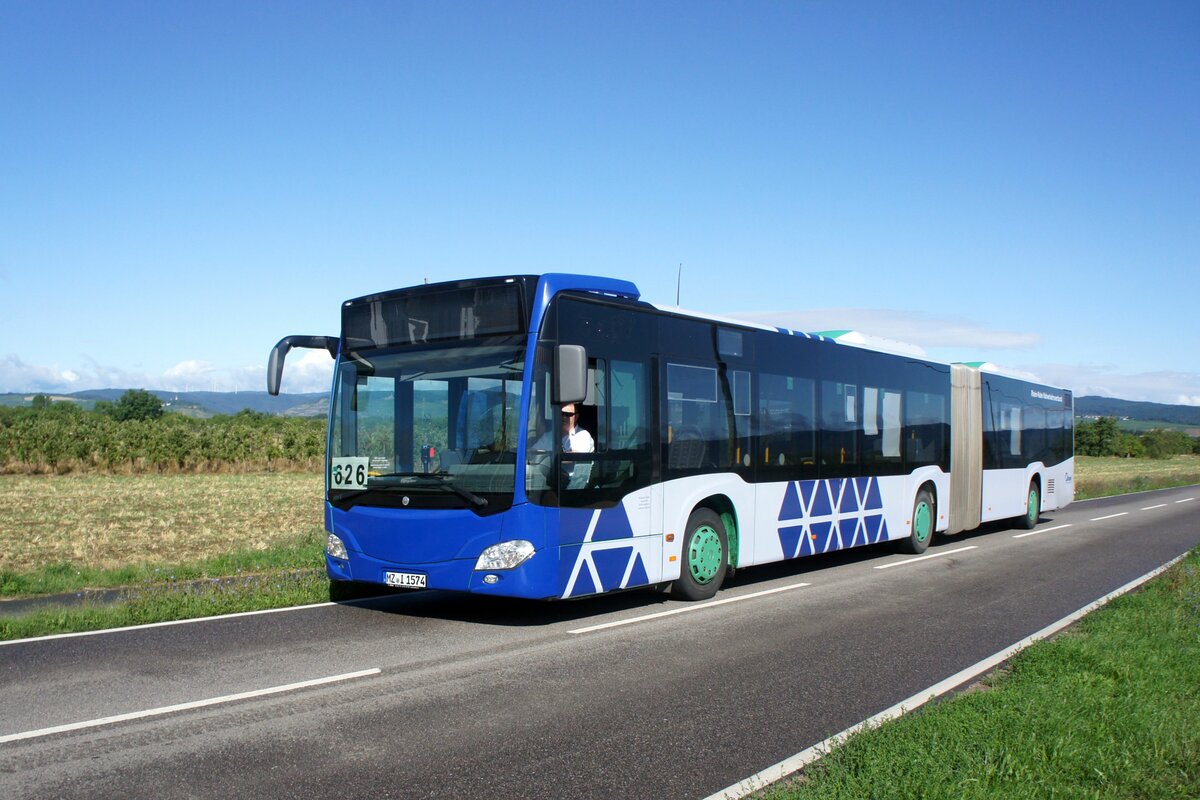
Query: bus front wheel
(705, 557)
(920, 532)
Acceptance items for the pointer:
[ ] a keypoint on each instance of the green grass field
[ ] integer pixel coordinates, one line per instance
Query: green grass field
(1103, 477)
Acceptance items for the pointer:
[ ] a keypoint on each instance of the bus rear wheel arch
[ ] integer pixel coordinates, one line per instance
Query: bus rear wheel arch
(921, 526)
(1033, 506)
(704, 556)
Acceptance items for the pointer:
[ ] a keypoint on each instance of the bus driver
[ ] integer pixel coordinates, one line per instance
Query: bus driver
(574, 438)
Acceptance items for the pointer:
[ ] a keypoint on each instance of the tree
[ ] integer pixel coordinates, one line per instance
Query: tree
(40, 402)
(1160, 443)
(137, 404)
(1128, 446)
(1100, 437)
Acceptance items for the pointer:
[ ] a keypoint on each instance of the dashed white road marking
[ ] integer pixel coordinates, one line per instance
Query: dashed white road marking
(1041, 530)
(212, 701)
(926, 558)
(687, 608)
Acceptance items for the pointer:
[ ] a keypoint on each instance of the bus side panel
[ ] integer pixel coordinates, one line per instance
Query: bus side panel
(608, 548)
(1059, 488)
(1005, 492)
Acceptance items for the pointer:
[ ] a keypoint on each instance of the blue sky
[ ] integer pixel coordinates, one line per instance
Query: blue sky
(181, 184)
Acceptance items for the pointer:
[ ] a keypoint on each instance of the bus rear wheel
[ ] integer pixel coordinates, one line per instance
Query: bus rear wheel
(705, 557)
(1033, 508)
(920, 532)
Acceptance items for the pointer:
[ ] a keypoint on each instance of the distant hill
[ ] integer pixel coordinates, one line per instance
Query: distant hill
(1093, 406)
(200, 404)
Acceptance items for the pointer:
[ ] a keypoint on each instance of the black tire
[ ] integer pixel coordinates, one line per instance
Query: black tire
(704, 557)
(920, 532)
(1033, 508)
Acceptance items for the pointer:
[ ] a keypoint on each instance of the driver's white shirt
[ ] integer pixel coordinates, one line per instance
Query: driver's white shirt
(578, 441)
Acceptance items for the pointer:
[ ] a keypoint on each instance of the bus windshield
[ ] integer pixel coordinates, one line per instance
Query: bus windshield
(434, 427)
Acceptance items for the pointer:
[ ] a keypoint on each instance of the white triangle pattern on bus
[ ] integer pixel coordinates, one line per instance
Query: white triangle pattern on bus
(827, 515)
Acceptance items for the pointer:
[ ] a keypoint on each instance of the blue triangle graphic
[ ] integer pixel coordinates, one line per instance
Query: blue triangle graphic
(849, 504)
(860, 534)
(846, 529)
(610, 566)
(638, 576)
(806, 542)
(807, 488)
(789, 540)
(583, 583)
(873, 527)
(613, 524)
(791, 508)
(821, 530)
(873, 500)
(821, 506)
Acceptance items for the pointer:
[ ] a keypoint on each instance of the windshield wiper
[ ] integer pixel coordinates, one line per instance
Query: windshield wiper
(439, 479)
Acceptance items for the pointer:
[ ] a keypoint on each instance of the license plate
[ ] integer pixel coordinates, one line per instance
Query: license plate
(405, 580)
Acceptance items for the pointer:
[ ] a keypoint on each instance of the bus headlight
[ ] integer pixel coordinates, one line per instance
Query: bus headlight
(506, 555)
(336, 548)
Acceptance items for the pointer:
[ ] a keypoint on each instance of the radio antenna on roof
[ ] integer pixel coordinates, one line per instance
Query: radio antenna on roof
(678, 281)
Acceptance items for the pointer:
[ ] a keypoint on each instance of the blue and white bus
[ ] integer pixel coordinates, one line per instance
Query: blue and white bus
(717, 444)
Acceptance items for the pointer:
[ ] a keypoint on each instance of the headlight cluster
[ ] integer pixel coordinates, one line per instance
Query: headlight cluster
(336, 548)
(506, 555)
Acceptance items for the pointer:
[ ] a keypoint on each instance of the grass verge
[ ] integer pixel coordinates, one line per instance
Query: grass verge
(158, 602)
(1108, 709)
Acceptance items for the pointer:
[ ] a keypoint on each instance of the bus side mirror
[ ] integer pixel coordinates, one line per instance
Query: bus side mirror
(570, 374)
(280, 351)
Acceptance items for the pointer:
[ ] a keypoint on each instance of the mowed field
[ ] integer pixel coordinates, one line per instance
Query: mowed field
(106, 522)
(112, 521)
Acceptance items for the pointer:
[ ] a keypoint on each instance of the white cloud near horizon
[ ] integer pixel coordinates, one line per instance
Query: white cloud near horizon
(919, 329)
(306, 371)
(1171, 387)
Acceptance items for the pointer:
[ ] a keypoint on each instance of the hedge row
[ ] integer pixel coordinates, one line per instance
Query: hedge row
(92, 442)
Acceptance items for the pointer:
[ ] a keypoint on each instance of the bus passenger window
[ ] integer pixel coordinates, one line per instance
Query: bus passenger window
(785, 431)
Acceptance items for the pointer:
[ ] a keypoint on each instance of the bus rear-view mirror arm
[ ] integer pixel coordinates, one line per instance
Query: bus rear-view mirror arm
(570, 374)
(280, 351)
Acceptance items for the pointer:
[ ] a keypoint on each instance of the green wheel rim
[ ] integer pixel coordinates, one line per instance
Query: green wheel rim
(704, 554)
(1032, 507)
(922, 521)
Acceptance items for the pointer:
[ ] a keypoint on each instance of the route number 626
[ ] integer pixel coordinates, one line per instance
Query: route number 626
(348, 473)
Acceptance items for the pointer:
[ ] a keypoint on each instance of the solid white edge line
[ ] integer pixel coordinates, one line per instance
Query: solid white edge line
(1110, 516)
(1151, 508)
(155, 712)
(687, 608)
(926, 558)
(164, 624)
(1041, 530)
(805, 757)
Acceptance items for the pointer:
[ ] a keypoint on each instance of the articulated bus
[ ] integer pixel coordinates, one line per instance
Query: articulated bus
(716, 444)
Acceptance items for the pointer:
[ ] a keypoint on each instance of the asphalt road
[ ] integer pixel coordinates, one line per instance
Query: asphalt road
(511, 699)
